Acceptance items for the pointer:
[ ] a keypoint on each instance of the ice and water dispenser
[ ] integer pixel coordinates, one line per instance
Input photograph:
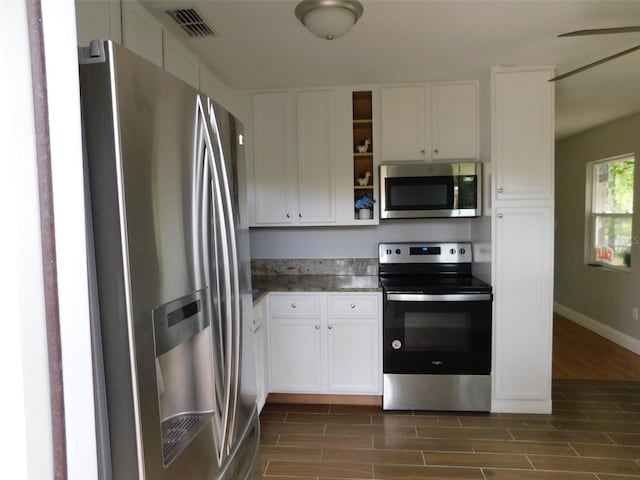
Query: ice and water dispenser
(184, 370)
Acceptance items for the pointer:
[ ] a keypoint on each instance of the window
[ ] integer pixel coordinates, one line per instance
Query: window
(611, 206)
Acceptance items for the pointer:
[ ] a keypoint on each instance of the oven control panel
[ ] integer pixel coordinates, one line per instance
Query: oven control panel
(424, 252)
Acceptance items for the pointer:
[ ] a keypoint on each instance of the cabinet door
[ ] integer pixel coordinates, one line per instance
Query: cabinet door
(353, 355)
(98, 20)
(402, 123)
(260, 351)
(141, 32)
(522, 126)
(295, 355)
(316, 176)
(274, 170)
(523, 303)
(454, 120)
(179, 61)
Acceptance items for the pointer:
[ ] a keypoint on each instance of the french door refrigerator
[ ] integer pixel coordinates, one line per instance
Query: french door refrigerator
(174, 380)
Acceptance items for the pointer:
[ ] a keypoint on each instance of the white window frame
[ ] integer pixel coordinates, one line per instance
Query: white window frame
(591, 216)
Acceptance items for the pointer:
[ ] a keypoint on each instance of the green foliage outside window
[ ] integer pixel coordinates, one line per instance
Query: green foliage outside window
(612, 209)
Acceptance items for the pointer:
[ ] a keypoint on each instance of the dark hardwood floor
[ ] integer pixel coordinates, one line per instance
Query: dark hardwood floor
(592, 434)
(580, 353)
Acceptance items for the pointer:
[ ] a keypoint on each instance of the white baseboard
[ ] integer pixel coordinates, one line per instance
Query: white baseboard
(622, 339)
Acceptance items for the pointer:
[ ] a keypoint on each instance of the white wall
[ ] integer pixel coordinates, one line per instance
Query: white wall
(26, 450)
(59, 21)
(351, 242)
(596, 293)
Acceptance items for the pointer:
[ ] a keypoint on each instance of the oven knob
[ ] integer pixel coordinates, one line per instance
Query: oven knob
(452, 251)
(396, 344)
(398, 251)
(462, 251)
(389, 252)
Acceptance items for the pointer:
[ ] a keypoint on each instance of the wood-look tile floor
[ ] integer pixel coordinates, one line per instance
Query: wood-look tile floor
(592, 434)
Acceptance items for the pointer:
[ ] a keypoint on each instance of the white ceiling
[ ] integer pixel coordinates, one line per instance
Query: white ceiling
(260, 44)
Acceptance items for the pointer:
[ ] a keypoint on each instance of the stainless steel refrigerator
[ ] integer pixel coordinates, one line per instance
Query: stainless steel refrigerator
(174, 381)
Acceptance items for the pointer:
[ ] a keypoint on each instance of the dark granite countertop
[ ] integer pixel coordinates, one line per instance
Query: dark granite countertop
(313, 283)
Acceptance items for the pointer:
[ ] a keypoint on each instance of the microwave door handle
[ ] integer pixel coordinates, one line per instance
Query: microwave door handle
(456, 192)
(454, 297)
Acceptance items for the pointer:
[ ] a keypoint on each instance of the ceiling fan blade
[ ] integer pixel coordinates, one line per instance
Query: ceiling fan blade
(601, 31)
(591, 65)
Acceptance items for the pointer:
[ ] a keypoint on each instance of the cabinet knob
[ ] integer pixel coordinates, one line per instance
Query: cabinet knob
(422, 151)
(330, 327)
(435, 150)
(317, 327)
(499, 215)
(300, 214)
(500, 190)
(288, 215)
(353, 305)
(293, 305)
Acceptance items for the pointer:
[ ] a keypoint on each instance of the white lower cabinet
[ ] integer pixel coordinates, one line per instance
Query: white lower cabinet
(295, 349)
(260, 352)
(352, 355)
(334, 348)
(523, 308)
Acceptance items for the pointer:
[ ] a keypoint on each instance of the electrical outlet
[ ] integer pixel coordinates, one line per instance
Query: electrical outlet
(634, 313)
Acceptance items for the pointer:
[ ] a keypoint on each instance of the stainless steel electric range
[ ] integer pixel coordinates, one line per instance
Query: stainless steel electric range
(436, 328)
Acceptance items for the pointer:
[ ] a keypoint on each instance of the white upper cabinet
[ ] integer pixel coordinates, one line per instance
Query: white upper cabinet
(522, 150)
(141, 33)
(316, 178)
(213, 87)
(522, 242)
(402, 123)
(98, 19)
(179, 61)
(429, 122)
(274, 168)
(454, 120)
(293, 161)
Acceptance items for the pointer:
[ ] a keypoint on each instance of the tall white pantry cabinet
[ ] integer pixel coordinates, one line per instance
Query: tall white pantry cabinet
(522, 110)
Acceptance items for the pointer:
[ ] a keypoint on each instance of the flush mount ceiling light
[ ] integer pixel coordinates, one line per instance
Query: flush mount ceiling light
(329, 18)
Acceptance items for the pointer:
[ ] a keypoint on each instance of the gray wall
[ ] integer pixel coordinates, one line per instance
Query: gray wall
(351, 242)
(602, 295)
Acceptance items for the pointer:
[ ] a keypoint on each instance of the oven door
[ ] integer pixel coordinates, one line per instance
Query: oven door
(437, 334)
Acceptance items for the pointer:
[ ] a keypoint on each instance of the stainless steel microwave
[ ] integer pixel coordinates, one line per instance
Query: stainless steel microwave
(427, 190)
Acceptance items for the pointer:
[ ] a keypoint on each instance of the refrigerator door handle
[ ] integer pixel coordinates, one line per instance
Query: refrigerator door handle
(219, 165)
(212, 235)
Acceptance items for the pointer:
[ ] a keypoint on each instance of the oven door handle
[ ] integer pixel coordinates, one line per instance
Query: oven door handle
(453, 297)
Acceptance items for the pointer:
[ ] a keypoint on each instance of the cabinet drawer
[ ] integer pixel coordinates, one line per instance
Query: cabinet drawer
(352, 305)
(294, 305)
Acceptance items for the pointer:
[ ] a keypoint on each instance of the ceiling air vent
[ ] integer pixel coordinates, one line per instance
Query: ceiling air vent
(191, 22)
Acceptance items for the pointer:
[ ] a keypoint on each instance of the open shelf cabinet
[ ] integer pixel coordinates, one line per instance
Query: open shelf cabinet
(363, 171)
